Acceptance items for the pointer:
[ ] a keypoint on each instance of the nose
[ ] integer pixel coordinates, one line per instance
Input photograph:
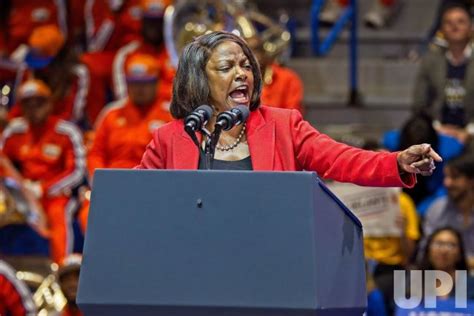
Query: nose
(444, 251)
(240, 73)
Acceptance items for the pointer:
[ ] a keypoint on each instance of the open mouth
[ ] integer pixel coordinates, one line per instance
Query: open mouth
(240, 95)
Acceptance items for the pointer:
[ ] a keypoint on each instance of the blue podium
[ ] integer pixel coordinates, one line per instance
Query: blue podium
(195, 243)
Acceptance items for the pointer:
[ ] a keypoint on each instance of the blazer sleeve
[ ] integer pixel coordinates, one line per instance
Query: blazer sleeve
(317, 152)
(153, 157)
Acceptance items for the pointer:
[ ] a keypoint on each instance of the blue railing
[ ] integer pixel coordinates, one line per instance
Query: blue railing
(322, 47)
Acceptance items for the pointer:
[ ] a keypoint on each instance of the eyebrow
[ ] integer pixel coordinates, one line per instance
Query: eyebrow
(226, 58)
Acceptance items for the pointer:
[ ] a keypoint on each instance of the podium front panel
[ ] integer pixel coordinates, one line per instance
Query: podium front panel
(216, 242)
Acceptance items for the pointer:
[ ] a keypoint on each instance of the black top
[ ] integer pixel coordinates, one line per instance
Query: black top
(453, 111)
(244, 164)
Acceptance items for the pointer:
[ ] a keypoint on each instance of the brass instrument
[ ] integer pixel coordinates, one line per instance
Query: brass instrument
(187, 19)
(8, 213)
(48, 297)
(17, 204)
(40, 275)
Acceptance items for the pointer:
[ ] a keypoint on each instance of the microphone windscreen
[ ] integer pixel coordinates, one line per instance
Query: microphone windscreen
(245, 112)
(205, 110)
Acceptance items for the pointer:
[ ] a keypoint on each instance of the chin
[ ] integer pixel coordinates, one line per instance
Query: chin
(455, 195)
(247, 104)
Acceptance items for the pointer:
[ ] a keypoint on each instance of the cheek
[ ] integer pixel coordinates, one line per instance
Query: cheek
(432, 254)
(252, 82)
(448, 29)
(217, 85)
(454, 257)
(133, 92)
(214, 88)
(436, 255)
(149, 91)
(459, 185)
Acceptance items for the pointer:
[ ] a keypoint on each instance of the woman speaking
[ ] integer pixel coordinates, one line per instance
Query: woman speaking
(219, 69)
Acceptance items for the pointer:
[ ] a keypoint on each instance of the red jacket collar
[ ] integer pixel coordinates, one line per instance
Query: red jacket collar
(260, 137)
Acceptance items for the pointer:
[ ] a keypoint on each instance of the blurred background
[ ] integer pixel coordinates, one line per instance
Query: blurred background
(83, 83)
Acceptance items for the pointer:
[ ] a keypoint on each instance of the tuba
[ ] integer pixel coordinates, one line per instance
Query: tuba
(187, 19)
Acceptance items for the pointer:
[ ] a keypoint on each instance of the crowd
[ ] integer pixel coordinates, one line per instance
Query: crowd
(84, 83)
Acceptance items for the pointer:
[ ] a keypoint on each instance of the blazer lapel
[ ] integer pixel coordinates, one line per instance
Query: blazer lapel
(185, 152)
(261, 140)
(260, 137)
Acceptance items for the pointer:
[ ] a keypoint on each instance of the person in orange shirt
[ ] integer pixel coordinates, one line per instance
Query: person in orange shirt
(20, 17)
(55, 63)
(282, 87)
(17, 20)
(49, 154)
(124, 128)
(151, 43)
(109, 26)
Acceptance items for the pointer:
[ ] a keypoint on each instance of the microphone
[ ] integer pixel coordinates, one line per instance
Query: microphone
(235, 116)
(198, 118)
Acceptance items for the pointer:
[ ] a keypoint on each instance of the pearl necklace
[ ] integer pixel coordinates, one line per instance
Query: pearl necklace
(235, 144)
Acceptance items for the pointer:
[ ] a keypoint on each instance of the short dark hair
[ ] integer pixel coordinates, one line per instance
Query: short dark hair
(463, 164)
(457, 5)
(417, 130)
(191, 87)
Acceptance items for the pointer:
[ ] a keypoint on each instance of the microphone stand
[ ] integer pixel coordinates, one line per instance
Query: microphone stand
(210, 143)
(209, 149)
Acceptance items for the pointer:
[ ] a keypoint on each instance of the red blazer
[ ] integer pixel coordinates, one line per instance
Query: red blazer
(280, 140)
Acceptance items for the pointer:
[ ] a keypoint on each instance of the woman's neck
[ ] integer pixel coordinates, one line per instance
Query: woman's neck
(229, 139)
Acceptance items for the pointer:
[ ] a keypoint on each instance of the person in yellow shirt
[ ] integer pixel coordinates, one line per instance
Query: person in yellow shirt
(396, 250)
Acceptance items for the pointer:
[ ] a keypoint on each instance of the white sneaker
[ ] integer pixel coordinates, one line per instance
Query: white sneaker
(330, 13)
(380, 15)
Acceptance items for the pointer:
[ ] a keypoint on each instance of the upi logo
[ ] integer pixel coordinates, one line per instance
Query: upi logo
(436, 284)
